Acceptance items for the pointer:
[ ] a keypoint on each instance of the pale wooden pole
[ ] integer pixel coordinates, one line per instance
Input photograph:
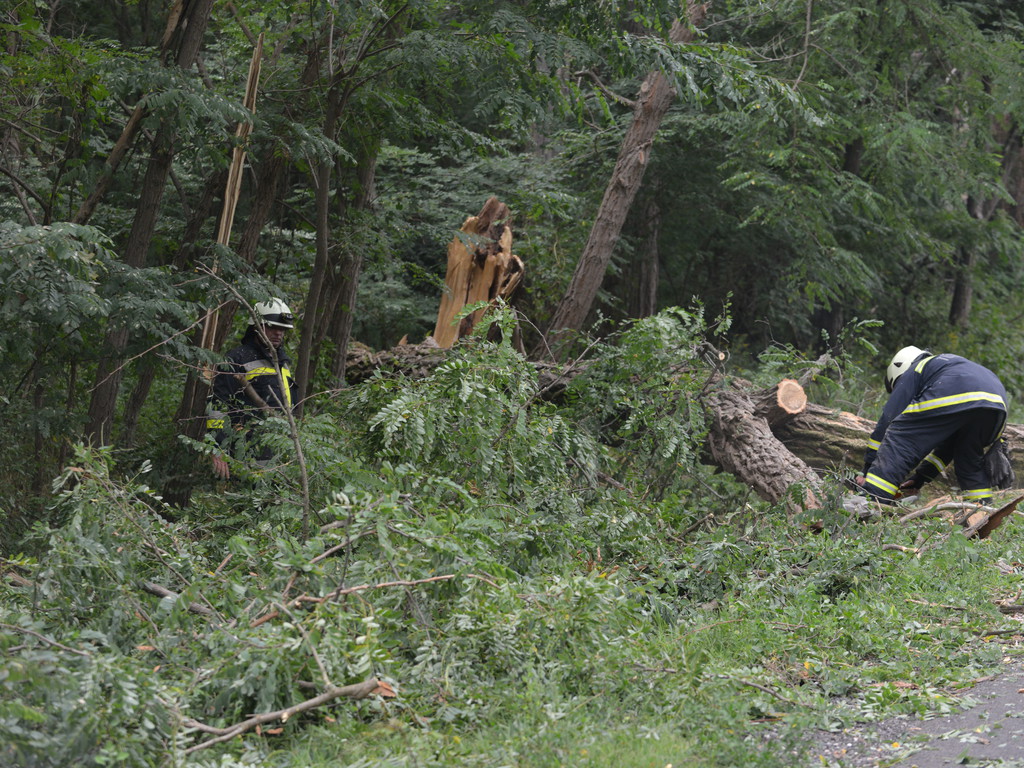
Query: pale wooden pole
(234, 183)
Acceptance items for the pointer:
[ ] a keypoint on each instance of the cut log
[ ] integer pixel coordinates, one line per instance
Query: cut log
(826, 439)
(742, 443)
(481, 267)
(780, 403)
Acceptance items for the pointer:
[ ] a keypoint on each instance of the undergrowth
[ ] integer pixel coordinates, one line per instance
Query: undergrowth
(540, 583)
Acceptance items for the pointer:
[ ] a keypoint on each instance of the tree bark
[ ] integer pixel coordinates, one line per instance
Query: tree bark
(742, 443)
(656, 95)
(643, 278)
(345, 284)
(188, 35)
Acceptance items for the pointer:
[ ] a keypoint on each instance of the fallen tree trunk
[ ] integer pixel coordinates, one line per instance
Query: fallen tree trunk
(769, 438)
(828, 439)
(742, 443)
(825, 438)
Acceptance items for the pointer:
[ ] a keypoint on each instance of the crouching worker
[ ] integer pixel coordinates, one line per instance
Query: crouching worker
(941, 409)
(254, 382)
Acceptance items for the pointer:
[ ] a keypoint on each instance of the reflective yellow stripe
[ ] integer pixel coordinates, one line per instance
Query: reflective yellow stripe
(215, 423)
(253, 373)
(977, 493)
(874, 444)
(963, 397)
(919, 366)
(878, 482)
(286, 375)
(935, 461)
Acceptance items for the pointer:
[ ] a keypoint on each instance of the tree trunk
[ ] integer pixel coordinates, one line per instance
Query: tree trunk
(643, 278)
(963, 288)
(148, 368)
(350, 269)
(481, 267)
(742, 443)
(656, 95)
(188, 35)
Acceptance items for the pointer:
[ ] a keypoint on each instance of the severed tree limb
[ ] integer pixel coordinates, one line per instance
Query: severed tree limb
(742, 443)
(296, 602)
(356, 691)
(156, 589)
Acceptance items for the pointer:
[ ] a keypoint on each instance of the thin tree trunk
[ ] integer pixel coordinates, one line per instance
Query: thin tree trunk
(303, 372)
(643, 278)
(148, 368)
(656, 96)
(351, 267)
(188, 34)
(131, 128)
(963, 288)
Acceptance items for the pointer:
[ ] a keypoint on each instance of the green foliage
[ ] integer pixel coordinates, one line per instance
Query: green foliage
(544, 577)
(473, 549)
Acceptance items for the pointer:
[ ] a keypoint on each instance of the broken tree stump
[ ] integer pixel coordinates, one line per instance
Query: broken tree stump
(481, 267)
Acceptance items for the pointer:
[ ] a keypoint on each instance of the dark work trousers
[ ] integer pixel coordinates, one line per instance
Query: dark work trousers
(961, 437)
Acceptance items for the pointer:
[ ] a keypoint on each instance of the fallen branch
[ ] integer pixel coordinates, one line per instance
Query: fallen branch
(762, 688)
(937, 605)
(996, 518)
(342, 591)
(156, 589)
(355, 691)
(43, 638)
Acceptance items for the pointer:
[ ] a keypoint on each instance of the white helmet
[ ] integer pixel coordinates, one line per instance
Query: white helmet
(275, 312)
(900, 364)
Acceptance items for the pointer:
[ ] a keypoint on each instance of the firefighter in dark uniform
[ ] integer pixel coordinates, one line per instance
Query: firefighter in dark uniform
(254, 382)
(942, 409)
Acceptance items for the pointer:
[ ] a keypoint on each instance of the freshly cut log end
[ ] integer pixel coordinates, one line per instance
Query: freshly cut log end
(780, 403)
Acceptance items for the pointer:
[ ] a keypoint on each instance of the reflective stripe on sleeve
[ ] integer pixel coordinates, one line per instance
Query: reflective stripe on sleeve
(874, 444)
(878, 482)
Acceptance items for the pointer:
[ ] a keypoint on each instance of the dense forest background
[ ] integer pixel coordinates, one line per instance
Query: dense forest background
(807, 177)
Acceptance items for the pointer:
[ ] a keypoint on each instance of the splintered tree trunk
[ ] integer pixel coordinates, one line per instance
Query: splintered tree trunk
(481, 267)
(656, 96)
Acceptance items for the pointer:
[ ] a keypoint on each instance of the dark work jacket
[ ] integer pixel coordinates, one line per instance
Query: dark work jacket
(937, 384)
(230, 405)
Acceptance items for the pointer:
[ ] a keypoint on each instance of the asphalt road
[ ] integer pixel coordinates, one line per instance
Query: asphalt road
(989, 734)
